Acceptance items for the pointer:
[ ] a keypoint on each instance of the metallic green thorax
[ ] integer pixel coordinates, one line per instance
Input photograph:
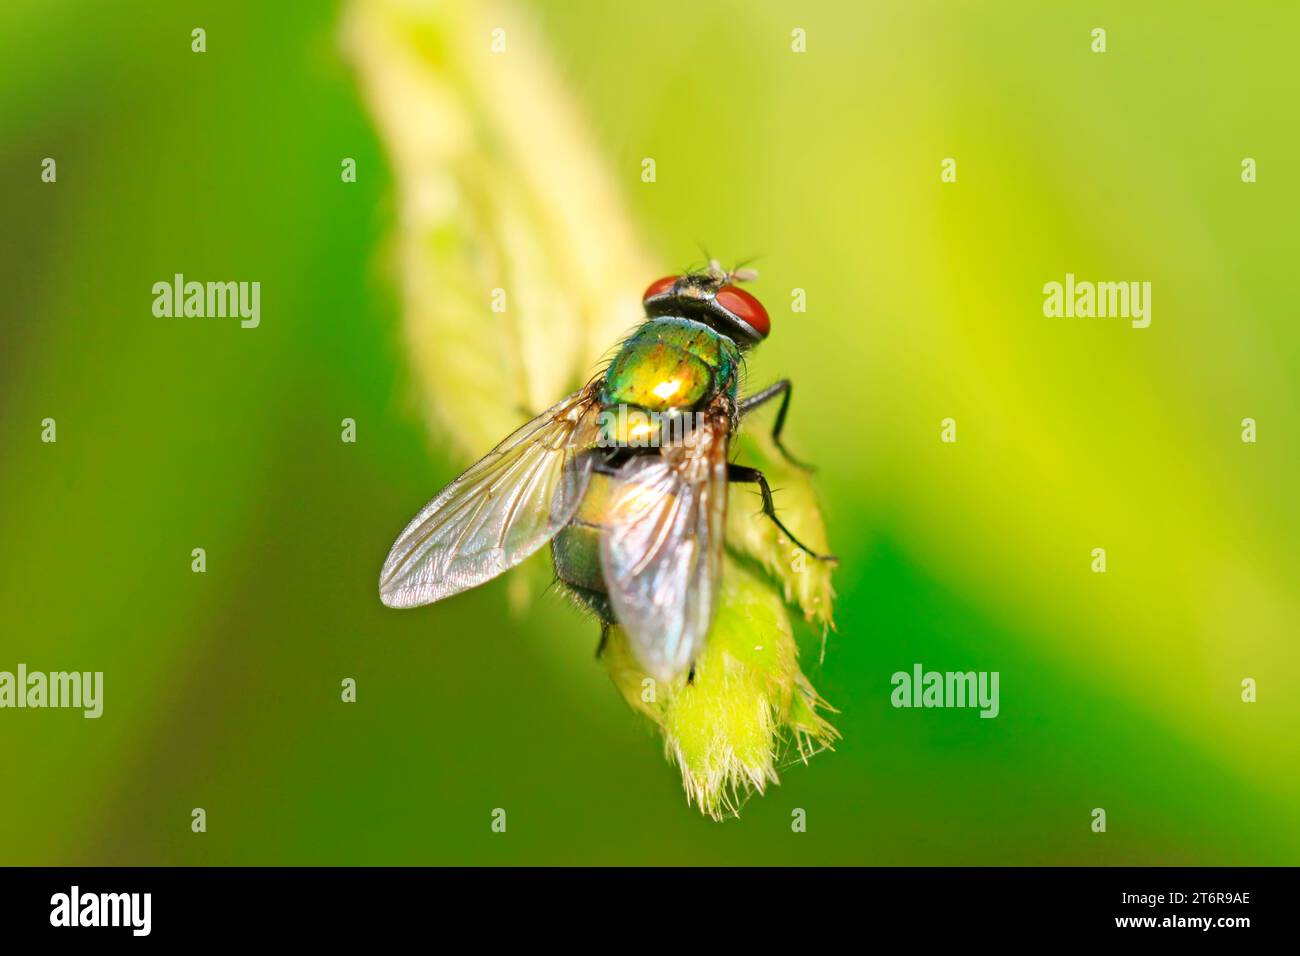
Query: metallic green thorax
(671, 363)
(668, 366)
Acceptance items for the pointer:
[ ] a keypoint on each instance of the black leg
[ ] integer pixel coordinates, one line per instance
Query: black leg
(740, 473)
(785, 389)
(604, 639)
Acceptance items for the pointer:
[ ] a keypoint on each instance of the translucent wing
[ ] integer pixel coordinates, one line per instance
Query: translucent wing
(661, 552)
(500, 511)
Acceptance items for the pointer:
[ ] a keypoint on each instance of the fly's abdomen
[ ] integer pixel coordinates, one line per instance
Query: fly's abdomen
(575, 551)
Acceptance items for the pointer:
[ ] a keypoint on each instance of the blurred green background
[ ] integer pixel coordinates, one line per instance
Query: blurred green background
(1119, 690)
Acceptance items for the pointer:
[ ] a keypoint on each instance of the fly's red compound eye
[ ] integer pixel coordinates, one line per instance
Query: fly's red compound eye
(746, 308)
(658, 287)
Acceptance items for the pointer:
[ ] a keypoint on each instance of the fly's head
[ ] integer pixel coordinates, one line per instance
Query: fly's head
(714, 298)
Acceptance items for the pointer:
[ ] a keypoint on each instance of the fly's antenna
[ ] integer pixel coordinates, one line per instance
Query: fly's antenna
(742, 274)
(738, 274)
